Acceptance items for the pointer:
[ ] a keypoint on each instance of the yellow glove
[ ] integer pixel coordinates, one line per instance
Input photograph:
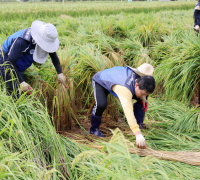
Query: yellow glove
(26, 87)
(62, 79)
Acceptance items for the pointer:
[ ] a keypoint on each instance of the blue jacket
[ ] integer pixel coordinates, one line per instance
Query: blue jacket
(117, 75)
(123, 76)
(10, 48)
(198, 16)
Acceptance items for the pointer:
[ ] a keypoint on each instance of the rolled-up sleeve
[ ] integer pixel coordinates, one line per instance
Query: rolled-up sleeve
(125, 97)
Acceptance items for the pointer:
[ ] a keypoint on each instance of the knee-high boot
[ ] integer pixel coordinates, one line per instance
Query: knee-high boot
(95, 122)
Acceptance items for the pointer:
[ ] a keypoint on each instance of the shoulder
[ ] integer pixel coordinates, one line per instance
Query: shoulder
(121, 90)
(19, 45)
(22, 42)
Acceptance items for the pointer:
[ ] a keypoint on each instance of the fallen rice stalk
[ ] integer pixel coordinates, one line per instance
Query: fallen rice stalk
(192, 158)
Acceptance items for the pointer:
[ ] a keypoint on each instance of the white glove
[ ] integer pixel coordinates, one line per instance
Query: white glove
(140, 141)
(26, 87)
(196, 27)
(62, 79)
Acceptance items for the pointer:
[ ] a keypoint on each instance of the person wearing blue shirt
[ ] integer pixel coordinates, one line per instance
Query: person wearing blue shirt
(125, 83)
(196, 17)
(24, 47)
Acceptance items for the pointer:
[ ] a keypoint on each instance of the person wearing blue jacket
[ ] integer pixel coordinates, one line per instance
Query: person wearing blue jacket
(24, 47)
(196, 17)
(125, 83)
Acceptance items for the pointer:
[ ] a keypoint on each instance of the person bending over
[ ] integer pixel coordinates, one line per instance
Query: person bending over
(24, 47)
(126, 83)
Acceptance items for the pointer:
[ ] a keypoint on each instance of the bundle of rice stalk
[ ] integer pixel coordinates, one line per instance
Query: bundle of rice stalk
(192, 158)
(64, 97)
(62, 118)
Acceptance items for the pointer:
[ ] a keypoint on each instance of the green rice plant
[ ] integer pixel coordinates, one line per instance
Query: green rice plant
(114, 30)
(66, 26)
(171, 125)
(166, 111)
(175, 115)
(115, 162)
(27, 127)
(45, 9)
(108, 46)
(148, 30)
(189, 122)
(179, 72)
(42, 79)
(134, 53)
(161, 139)
(16, 166)
(88, 45)
(90, 62)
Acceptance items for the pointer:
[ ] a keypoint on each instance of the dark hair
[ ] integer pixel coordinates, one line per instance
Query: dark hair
(146, 83)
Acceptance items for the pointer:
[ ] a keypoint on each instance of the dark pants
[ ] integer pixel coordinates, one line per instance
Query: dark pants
(9, 77)
(100, 95)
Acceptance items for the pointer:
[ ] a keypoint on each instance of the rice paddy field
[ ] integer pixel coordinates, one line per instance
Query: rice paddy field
(46, 135)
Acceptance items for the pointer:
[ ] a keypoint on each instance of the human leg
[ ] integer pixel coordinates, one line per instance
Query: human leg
(9, 77)
(139, 113)
(100, 95)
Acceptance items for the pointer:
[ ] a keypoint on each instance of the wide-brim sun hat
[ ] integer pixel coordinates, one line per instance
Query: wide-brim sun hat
(143, 70)
(45, 35)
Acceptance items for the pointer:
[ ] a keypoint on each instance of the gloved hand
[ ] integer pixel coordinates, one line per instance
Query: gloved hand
(196, 27)
(26, 87)
(145, 104)
(62, 79)
(140, 141)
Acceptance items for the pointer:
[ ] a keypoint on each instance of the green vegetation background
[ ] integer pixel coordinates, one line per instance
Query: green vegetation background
(94, 36)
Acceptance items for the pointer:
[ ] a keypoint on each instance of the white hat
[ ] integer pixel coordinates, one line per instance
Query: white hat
(144, 70)
(45, 36)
